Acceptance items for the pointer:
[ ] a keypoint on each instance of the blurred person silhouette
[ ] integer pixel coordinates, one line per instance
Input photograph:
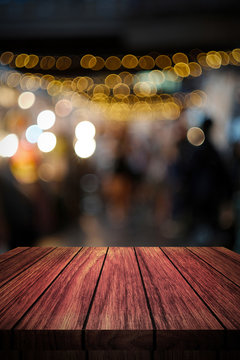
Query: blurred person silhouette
(16, 214)
(205, 190)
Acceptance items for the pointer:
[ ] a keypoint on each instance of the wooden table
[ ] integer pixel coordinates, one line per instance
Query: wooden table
(120, 302)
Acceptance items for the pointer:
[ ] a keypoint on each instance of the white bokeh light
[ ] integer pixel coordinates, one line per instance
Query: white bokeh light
(32, 133)
(46, 119)
(26, 100)
(85, 148)
(47, 141)
(9, 145)
(85, 129)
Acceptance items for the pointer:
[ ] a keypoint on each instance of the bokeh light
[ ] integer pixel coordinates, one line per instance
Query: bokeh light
(6, 58)
(214, 59)
(26, 100)
(113, 63)
(163, 61)
(47, 141)
(32, 133)
(88, 61)
(85, 148)
(129, 61)
(63, 107)
(195, 136)
(46, 119)
(85, 130)
(9, 145)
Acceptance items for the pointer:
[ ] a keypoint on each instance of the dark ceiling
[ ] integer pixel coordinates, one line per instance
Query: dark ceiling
(117, 26)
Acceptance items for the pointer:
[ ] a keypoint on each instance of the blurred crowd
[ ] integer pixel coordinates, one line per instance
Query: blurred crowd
(147, 184)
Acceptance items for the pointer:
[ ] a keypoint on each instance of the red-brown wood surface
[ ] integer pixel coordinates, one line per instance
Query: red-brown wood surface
(11, 253)
(16, 264)
(120, 299)
(65, 304)
(229, 254)
(21, 292)
(219, 293)
(217, 259)
(119, 307)
(174, 305)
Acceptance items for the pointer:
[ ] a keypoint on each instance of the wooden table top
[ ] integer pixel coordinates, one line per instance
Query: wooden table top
(119, 298)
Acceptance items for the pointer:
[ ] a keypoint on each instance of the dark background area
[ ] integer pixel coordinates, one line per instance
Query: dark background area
(192, 197)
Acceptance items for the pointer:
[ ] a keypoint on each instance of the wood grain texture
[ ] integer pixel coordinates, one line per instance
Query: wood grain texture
(119, 355)
(229, 268)
(20, 293)
(7, 255)
(16, 264)
(220, 294)
(64, 305)
(229, 253)
(119, 316)
(121, 302)
(185, 355)
(53, 355)
(179, 314)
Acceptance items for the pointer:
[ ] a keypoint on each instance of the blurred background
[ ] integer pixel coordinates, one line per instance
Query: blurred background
(119, 123)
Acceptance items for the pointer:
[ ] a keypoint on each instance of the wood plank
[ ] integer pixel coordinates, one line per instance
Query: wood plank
(185, 355)
(219, 293)
(229, 253)
(229, 268)
(53, 355)
(11, 268)
(119, 317)
(119, 355)
(20, 293)
(179, 314)
(7, 255)
(63, 306)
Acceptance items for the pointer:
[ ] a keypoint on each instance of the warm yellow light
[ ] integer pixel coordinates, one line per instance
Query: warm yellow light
(225, 58)
(112, 80)
(201, 58)
(54, 88)
(63, 63)
(214, 59)
(113, 63)
(195, 69)
(21, 59)
(146, 62)
(47, 62)
(129, 61)
(31, 61)
(163, 61)
(236, 54)
(180, 58)
(182, 69)
(101, 89)
(6, 58)
(26, 100)
(88, 61)
(99, 64)
(121, 90)
(195, 136)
